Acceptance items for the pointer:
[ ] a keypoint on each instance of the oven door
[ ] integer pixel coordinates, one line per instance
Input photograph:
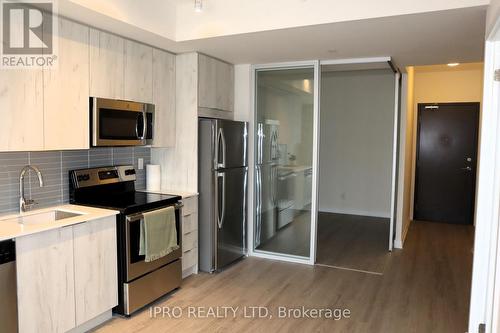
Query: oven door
(135, 265)
(118, 123)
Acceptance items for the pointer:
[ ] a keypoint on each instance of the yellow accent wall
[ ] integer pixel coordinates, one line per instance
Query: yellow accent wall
(433, 84)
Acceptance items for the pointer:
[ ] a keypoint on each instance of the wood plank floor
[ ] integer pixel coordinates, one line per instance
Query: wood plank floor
(352, 241)
(425, 288)
(294, 238)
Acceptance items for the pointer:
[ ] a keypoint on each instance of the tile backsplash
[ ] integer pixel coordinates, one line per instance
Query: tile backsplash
(55, 166)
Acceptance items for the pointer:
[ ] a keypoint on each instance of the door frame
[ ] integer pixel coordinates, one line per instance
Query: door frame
(485, 288)
(314, 64)
(419, 114)
(396, 131)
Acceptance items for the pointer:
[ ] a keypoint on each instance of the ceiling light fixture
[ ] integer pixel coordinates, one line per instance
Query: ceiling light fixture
(453, 64)
(198, 5)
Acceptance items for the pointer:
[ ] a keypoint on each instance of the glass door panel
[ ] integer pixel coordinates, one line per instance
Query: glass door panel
(283, 186)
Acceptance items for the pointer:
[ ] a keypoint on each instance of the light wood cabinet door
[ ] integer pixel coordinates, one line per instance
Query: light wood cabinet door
(225, 86)
(106, 65)
(21, 109)
(164, 98)
(216, 84)
(45, 280)
(207, 80)
(96, 284)
(66, 90)
(138, 72)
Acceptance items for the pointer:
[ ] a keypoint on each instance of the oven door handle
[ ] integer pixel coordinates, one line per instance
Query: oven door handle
(140, 216)
(135, 217)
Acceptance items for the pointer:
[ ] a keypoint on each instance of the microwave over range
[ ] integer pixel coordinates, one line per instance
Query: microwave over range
(121, 123)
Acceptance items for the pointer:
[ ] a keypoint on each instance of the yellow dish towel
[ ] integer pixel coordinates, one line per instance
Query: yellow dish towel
(158, 234)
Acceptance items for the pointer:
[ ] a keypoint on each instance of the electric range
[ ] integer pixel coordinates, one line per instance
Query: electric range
(113, 187)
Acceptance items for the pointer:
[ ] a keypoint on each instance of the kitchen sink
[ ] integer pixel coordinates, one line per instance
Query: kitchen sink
(46, 217)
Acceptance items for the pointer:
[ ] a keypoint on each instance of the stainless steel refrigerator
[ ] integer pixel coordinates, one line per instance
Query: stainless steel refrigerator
(266, 180)
(223, 182)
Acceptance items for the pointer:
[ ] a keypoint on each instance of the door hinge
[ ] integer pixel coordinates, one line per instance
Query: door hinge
(482, 328)
(496, 77)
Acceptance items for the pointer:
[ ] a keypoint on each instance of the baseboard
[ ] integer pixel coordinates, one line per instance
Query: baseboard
(384, 215)
(405, 231)
(93, 323)
(190, 271)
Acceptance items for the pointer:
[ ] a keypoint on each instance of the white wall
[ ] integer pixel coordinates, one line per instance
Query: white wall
(357, 110)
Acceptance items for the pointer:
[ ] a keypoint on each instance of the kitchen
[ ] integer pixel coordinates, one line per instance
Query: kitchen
(159, 165)
(90, 151)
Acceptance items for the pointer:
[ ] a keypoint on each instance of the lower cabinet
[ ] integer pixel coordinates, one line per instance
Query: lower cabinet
(96, 274)
(190, 236)
(46, 281)
(66, 276)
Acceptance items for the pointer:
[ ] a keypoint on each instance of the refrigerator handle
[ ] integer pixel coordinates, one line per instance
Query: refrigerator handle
(257, 206)
(221, 139)
(220, 215)
(260, 135)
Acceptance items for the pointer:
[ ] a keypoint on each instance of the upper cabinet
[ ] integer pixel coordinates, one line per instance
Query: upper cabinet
(66, 90)
(48, 108)
(106, 65)
(164, 98)
(215, 87)
(21, 109)
(138, 71)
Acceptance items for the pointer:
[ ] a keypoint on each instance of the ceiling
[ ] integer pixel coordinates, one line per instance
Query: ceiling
(435, 37)
(418, 39)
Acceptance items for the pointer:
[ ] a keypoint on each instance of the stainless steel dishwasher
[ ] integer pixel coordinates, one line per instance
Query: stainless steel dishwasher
(8, 290)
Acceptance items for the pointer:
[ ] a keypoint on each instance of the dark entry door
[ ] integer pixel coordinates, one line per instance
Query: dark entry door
(446, 162)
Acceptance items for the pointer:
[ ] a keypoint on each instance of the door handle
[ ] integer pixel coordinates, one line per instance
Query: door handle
(220, 215)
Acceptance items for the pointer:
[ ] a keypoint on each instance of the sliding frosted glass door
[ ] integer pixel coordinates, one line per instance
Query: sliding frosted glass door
(284, 141)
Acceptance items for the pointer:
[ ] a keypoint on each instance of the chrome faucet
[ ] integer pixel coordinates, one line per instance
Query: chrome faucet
(25, 205)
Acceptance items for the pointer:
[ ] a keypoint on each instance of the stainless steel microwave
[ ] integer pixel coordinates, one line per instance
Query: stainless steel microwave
(121, 123)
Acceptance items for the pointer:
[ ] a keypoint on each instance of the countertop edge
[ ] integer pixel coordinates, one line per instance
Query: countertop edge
(11, 229)
(183, 194)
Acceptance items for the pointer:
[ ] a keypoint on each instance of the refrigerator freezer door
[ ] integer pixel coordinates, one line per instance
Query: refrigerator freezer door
(267, 143)
(230, 214)
(230, 144)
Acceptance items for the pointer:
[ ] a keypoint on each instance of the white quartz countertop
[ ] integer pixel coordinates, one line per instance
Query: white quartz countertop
(10, 228)
(183, 194)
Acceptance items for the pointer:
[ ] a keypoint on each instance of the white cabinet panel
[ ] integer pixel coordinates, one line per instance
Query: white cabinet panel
(216, 84)
(21, 109)
(164, 98)
(95, 268)
(207, 80)
(106, 65)
(66, 90)
(138, 72)
(225, 86)
(45, 280)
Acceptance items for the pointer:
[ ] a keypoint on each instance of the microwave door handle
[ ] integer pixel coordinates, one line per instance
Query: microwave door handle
(144, 124)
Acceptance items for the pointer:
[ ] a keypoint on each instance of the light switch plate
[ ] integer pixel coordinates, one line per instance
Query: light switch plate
(140, 163)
